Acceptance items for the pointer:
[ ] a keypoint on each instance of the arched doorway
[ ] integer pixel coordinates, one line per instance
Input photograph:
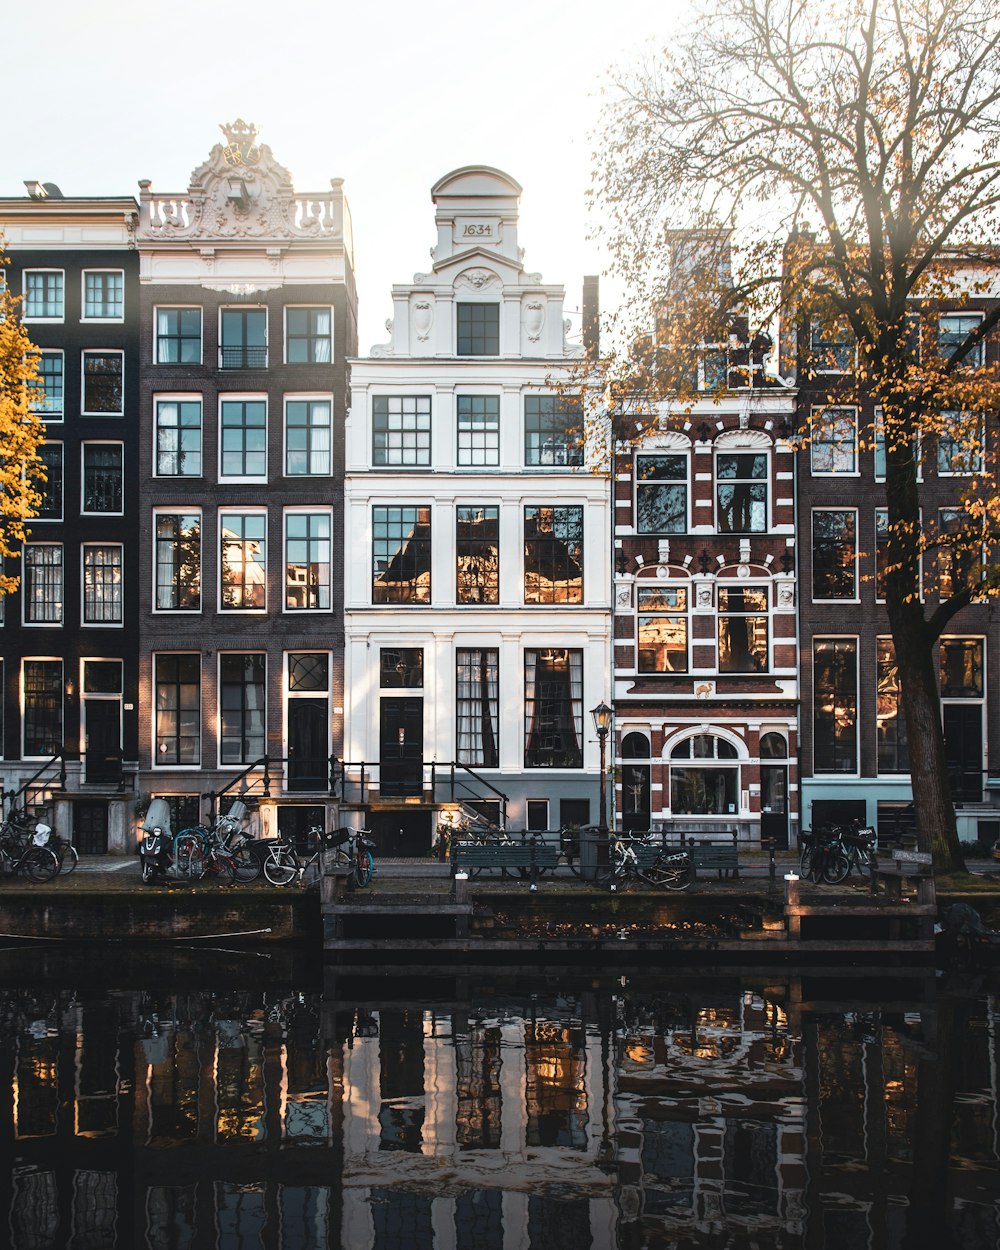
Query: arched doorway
(774, 789)
(635, 775)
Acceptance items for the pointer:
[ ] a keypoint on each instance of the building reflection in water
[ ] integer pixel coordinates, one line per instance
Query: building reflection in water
(703, 1114)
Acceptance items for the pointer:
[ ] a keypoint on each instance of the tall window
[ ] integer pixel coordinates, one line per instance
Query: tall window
(832, 347)
(178, 709)
(43, 707)
(553, 432)
(103, 393)
(553, 708)
(43, 295)
(178, 437)
(47, 391)
(103, 295)
(401, 430)
(308, 437)
(960, 444)
(241, 701)
(401, 668)
(661, 494)
(243, 338)
(243, 561)
(477, 555)
(881, 551)
(102, 584)
(835, 553)
(478, 329)
(42, 593)
(178, 561)
(102, 478)
(178, 336)
(961, 668)
(307, 561)
(401, 555)
(308, 336)
(890, 724)
(553, 555)
(953, 330)
(477, 719)
(51, 490)
(741, 492)
(960, 551)
(478, 429)
(879, 447)
(833, 441)
(743, 629)
(700, 784)
(244, 438)
(835, 705)
(662, 642)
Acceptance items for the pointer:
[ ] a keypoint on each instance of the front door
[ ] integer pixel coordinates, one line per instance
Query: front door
(401, 747)
(963, 750)
(308, 738)
(90, 828)
(102, 725)
(774, 804)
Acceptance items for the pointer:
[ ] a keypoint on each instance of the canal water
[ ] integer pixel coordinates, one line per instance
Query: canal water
(239, 1101)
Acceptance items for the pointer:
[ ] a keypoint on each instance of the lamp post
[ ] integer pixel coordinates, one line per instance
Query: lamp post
(602, 723)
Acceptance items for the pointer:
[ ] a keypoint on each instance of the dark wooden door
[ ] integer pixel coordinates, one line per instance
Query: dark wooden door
(308, 738)
(774, 804)
(90, 828)
(103, 728)
(401, 747)
(963, 750)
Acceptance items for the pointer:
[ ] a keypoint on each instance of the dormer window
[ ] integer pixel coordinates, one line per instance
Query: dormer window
(478, 327)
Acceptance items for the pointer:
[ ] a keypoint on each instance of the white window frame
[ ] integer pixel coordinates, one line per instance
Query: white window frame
(659, 453)
(100, 351)
(980, 464)
(303, 510)
(173, 364)
(83, 295)
(975, 358)
(26, 317)
(478, 465)
(856, 639)
(829, 370)
(288, 695)
(22, 704)
(304, 397)
(196, 766)
(53, 417)
(99, 442)
(685, 612)
(84, 623)
(179, 397)
(242, 397)
(39, 486)
(819, 411)
(261, 651)
(326, 308)
(25, 599)
(224, 308)
(878, 440)
(179, 509)
(398, 464)
(856, 597)
(241, 512)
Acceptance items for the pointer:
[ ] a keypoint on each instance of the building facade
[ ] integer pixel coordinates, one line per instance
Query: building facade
(478, 545)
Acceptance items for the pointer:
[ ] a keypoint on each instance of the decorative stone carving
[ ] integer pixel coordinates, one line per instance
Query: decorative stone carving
(786, 594)
(478, 279)
(663, 550)
(423, 319)
(704, 690)
(534, 319)
(703, 595)
(623, 596)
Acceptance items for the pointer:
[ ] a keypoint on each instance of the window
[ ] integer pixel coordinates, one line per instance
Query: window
(51, 490)
(741, 492)
(244, 438)
(879, 448)
(43, 295)
(477, 712)
(890, 725)
(308, 437)
(241, 702)
(178, 561)
(835, 553)
(178, 336)
(178, 709)
(832, 347)
(47, 391)
(478, 429)
(103, 393)
(103, 295)
(477, 555)
(401, 430)
(553, 555)
(703, 787)
(835, 705)
(102, 478)
(960, 551)
(243, 338)
(553, 708)
(538, 814)
(662, 629)
(661, 494)
(308, 337)
(401, 555)
(43, 707)
(953, 330)
(478, 329)
(102, 584)
(42, 593)
(307, 723)
(960, 444)
(833, 441)
(243, 561)
(743, 629)
(729, 366)
(178, 437)
(961, 668)
(881, 551)
(401, 668)
(307, 561)
(553, 432)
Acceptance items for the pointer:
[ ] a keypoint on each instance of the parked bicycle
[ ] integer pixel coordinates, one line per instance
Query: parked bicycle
(823, 858)
(857, 841)
(194, 853)
(669, 870)
(353, 848)
(24, 825)
(24, 852)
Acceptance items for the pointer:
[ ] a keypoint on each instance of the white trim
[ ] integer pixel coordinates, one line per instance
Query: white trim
(45, 659)
(267, 335)
(99, 442)
(175, 364)
(154, 657)
(26, 318)
(856, 771)
(100, 351)
(84, 623)
(241, 397)
(303, 510)
(220, 763)
(298, 397)
(60, 623)
(284, 336)
(179, 510)
(178, 397)
(856, 597)
(233, 511)
(83, 297)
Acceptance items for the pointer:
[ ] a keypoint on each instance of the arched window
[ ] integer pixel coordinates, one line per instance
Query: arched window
(773, 747)
(700, 784)
(635, 746)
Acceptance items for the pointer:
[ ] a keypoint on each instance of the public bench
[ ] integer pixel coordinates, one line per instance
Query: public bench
(519, 857)
(720, 857)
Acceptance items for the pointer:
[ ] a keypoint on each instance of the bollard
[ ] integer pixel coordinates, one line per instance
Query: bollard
(461, 887)
(791, 888)
(873, 873)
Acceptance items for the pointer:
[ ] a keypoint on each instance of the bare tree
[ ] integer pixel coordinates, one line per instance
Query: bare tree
(847, 155)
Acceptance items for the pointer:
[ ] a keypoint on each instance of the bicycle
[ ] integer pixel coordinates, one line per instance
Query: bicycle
(857, 842)
(24, 826)
(823, 858)
(21, 853)
(669, 871)
(353, 848)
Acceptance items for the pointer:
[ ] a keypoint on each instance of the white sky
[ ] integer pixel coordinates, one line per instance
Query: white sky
(388, 95)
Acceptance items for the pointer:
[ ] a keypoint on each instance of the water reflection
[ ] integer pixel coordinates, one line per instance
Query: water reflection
(637, 1113)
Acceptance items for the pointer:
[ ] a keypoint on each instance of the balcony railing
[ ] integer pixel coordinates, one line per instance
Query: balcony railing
(242, 357)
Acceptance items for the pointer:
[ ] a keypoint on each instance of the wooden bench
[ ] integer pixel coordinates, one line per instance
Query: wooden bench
(520, 857)
(907, 865)
(720, 857)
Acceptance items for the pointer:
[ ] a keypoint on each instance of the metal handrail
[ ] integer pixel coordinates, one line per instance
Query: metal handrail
(366, 769)
(11, 796)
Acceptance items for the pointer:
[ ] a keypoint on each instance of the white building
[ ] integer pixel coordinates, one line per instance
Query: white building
(477, 566)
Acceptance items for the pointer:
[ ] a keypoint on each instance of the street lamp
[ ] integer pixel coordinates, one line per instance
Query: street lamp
(602, 715)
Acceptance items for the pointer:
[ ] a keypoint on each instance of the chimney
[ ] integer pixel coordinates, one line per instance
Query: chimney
(591, 314)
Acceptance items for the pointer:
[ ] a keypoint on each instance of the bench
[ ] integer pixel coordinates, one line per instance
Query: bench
(720, 857)
(520, 857)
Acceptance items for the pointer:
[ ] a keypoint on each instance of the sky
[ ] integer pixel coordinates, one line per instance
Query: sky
(388, 95)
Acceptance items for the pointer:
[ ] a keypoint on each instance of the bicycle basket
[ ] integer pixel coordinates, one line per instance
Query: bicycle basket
(334, 838)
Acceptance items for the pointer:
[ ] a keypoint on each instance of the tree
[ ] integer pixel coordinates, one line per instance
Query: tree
(21, 433)
(848, 154)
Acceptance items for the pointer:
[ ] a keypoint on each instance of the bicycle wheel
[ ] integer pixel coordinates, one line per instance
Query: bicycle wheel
(364, 869)
(39, 864)
(246, 866)
(668, 874)
(836, 866)
(221, 868)
(68, 857)
(189, 859)
(281, 868)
